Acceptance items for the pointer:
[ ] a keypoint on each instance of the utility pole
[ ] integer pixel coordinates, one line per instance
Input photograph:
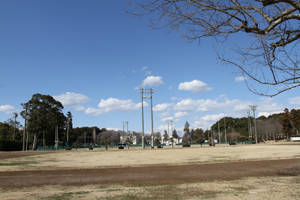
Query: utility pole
(68, 131)
(152, 134)
(172, 132)
(25, 105)
(219, 133)
(225, 131)
(143, 139)
(253, 109)
(249, 123)
(15, 115)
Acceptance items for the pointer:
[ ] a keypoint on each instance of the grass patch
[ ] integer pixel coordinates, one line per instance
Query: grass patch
(65, 196)
(18, 163)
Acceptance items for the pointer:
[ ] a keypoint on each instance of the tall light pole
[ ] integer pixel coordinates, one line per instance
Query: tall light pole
(142, 91)
(125, 124)
(253, 109)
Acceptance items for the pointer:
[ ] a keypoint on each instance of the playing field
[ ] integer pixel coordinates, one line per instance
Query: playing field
(223, 172)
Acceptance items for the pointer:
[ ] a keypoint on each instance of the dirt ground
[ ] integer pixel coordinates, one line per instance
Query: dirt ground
(235, 172)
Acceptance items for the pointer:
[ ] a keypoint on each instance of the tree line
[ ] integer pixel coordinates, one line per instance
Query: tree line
(43, 114)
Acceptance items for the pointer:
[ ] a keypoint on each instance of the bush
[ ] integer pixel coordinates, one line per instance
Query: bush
(121, 147)
(10, 145)
(68, 148)
(159, 146)
(186, 145)
(91, 148)
(232, 143)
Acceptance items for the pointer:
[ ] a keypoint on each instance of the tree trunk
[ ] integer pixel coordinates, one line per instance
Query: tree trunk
(34, 142)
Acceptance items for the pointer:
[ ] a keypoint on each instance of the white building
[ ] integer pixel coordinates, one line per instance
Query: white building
(123, 139)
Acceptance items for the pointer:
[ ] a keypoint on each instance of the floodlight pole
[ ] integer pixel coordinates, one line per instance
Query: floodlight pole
(253, 109)
(142, 91)
(125, 124)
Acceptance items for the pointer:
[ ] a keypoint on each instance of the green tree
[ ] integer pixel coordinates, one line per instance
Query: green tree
(45, 114)
(187, 133)
(286, 123)
(174, 134)
(295, 118)
(166, 136)
(199, 136)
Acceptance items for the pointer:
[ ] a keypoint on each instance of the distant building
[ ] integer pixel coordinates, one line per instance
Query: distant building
(123, 139)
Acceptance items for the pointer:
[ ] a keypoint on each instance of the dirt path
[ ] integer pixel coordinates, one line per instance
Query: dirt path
(151, 175)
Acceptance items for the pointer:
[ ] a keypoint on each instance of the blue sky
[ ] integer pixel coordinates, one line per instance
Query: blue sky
(93, 57)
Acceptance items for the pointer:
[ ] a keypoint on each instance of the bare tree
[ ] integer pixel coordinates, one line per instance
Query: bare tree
(270, 27)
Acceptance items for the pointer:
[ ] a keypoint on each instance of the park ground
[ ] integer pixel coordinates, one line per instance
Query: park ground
(262, 171)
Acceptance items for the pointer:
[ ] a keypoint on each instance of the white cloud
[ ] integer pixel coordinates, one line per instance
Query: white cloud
(164, 115)
(152, 81)
(181, 114)
(212, 118)
(195, 86)
(144, 68)
(175, 98)
(93, 112)
(294, 100)
(161, 107)
(167, 119)
(148, 73)
(112, 129)
(240, 78)
(8, 109)
(115, 105)
(70, 99)
(202, 105)
(133, 71)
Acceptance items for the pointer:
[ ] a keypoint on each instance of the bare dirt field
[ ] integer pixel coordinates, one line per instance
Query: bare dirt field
(236, 172)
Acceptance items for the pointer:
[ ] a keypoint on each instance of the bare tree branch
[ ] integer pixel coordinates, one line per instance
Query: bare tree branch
(271, 58)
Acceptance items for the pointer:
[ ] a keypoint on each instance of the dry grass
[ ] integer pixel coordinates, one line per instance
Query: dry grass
(283, 187)
(250, 188)
(82, 159)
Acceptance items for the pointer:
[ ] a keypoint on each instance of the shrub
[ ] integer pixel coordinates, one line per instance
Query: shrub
(68, 148)
(91, 148)
(186, 145)
(232, 143)
(10, 145)
(121, 147)
(159, 146)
